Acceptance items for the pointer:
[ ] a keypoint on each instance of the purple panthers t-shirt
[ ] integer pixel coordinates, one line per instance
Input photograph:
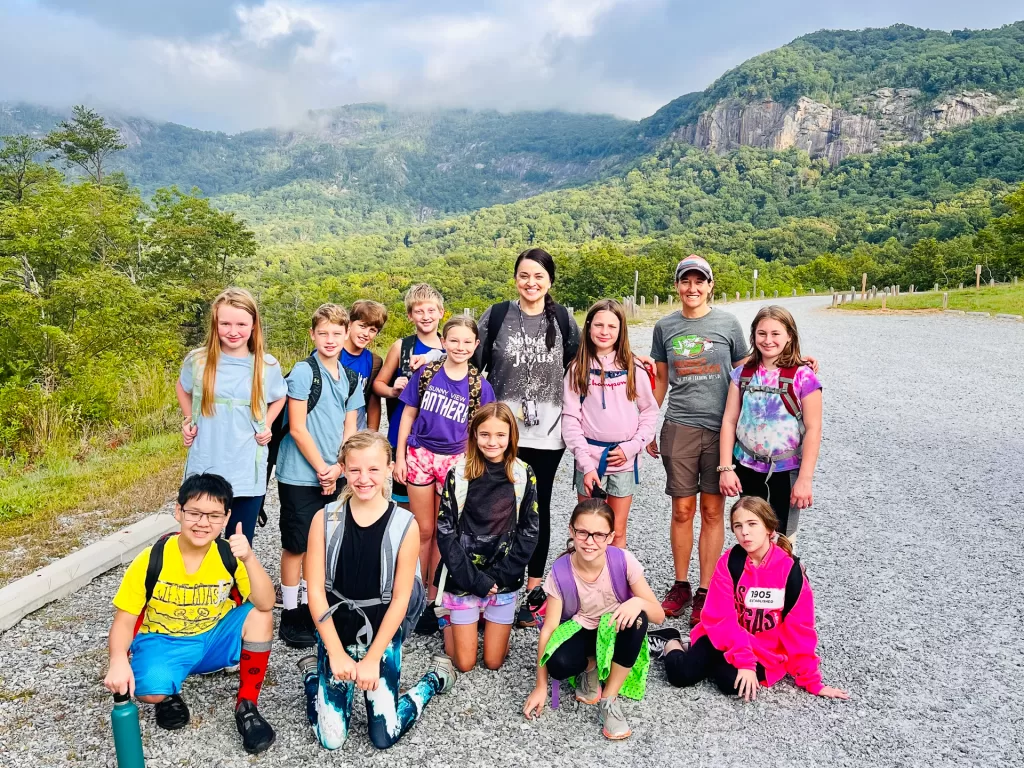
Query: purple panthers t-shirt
(440, 425)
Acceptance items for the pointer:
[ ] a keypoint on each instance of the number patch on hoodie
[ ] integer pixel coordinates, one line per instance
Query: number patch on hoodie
(765, 598)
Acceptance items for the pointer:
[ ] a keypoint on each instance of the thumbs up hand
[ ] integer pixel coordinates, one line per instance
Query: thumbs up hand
(239, 544)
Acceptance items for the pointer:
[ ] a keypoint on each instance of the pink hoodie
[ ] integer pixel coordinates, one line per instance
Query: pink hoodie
(612, 419)
(751, 635)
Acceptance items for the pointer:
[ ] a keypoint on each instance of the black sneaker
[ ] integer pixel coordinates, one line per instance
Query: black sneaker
(172, 713)
(278, 597)
(427, 624)
(310, 686)
(294, 630)
(257, 734)
(525, 617)
(657, 639)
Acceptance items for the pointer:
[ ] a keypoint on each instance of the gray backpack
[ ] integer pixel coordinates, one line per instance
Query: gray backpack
(398, 524)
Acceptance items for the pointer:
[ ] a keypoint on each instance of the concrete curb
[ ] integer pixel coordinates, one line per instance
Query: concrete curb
(1005, 316)
(980, 314)
(59, 579)
(954, 312)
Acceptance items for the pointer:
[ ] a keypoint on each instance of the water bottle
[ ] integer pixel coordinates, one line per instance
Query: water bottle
(124, 720)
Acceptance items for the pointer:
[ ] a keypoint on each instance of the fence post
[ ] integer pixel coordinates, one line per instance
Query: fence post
(977, 276)
(960, 287)
(884, 294)
(738, 293)
(812, 292)
(643, 301)
(762, 294)
(864, 286)
(748, 295)
(992, 282)
(725, 297)
(835, 300)
(936, 288)
(656, 297)
(467, 312)
(945, 299)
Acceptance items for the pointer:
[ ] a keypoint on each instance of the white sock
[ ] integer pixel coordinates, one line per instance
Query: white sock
(303, 593)
(290, 597)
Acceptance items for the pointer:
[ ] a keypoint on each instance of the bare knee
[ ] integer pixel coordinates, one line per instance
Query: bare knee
(683, 510)
(464, 663)
(258, 626)
(712, 508)
(154, 699)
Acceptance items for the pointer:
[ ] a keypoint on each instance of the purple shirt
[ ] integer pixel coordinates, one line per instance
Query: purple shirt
(440, 425)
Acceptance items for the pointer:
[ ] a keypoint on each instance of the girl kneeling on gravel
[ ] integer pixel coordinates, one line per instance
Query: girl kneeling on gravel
(771, 430)
(364, 593)
(487, 530)
(596, 617)
(758, 622)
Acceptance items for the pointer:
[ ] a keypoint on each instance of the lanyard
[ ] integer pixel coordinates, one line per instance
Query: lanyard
(528, 358)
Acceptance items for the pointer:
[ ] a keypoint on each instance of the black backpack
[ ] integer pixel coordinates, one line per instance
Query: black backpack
(497, 319)
(794, 582)
(404, 369)
(156, 564)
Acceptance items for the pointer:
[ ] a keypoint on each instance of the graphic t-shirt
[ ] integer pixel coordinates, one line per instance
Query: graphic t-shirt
(226, 442)
(522, 368)
(183, 604)
(363, 365)
(597, 597)
(326, 422)
(700, 354)
(440, 426)
(764, 425)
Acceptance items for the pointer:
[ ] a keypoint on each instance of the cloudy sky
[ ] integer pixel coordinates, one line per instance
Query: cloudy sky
(235, 64)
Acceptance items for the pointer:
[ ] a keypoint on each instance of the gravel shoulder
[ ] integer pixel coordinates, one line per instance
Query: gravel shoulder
(910, 548)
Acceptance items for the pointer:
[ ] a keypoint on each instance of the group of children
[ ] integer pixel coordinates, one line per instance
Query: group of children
(441, 518)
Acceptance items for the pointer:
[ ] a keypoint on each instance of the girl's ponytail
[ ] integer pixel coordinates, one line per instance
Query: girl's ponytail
(783, 543)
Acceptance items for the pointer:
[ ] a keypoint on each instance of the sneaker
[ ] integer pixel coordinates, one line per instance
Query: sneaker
(257, 734)
(613, 721)
(427, 624)
(678, 597)
(525, 617)
(588, 687)
(278, 597)
(657, 639)
(310, 686)
(442, 666)
(172, 713)
(294, 631)
(698, 606)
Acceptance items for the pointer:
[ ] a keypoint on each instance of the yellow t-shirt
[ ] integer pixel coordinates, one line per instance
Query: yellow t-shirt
(183, 604)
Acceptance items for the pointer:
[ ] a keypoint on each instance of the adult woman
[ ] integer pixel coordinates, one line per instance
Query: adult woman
(525, 347)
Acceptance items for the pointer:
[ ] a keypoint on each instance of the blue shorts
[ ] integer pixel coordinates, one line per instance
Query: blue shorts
(161, 663)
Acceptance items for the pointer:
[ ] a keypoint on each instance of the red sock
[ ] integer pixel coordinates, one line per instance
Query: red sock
(252, 668)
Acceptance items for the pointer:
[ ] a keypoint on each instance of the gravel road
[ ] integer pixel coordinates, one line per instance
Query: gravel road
(909, 548)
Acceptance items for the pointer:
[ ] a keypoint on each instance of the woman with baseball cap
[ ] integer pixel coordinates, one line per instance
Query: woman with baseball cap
(695, 350)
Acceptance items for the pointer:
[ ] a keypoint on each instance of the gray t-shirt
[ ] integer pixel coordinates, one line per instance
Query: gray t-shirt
(700, 354)
(522, 367)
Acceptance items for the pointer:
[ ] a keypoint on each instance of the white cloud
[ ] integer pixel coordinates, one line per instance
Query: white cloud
(247, 63)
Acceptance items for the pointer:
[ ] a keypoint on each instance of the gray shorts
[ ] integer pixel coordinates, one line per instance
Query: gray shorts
(690, 456)
(618, 484)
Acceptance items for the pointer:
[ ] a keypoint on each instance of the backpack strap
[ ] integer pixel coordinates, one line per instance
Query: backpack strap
(399, 520)
(737, 560)
(566, 583)
(352, 377)
(745, 376)
(475, 391)
(375, 365)
(156, 564)
(794, 586)
(618, 571)
(787, 382)
(569, 347)
(316, 385)
(494, 323)
(405, 357)
(334, 532)
(429, 371)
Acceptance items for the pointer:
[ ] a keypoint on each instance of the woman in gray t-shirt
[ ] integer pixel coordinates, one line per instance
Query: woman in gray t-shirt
(525, 346)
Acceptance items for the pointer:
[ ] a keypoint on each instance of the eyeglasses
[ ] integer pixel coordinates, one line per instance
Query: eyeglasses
(599, 538)
(194, 516)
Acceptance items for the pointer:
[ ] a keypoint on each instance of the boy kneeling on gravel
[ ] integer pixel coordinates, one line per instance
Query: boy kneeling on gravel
(195, 603)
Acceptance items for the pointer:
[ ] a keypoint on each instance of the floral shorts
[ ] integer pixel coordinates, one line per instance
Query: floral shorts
(425, 467)
(466, 609)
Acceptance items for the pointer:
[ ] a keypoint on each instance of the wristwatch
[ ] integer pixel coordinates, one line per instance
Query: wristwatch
(727, 468)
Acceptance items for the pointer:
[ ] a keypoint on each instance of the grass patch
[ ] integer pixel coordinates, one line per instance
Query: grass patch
(50, 509)
(996, 299)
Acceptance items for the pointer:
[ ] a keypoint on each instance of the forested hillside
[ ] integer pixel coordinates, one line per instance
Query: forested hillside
(106, 267)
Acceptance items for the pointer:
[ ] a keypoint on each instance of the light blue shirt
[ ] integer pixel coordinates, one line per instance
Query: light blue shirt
(326, 423)
(225, 443)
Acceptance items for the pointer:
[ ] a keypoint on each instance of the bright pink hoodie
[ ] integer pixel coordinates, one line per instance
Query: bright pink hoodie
(611, 419)
(751, 635)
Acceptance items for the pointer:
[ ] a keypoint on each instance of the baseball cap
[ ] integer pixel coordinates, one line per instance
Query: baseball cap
(693, 263)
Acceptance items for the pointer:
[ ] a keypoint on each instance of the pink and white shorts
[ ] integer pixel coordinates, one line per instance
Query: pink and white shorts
(424, 467)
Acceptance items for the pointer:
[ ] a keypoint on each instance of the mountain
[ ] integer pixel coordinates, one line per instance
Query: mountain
(841, 93)
(372, 168)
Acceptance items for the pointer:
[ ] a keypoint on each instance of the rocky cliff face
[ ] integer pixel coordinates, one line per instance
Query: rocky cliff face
(887, 116)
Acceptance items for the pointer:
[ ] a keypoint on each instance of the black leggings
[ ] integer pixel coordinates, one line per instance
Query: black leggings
(571, 657)
(545, 465)
(775, 490)
(703, 660)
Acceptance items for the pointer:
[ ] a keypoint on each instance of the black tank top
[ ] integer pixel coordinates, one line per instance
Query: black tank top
(357, 574)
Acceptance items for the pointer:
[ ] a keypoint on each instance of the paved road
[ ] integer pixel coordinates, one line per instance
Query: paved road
(912, 548)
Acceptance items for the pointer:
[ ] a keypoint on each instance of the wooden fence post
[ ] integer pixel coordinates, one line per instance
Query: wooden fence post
(977, 276)
(884, 294)
(945, 299)
(864, 285)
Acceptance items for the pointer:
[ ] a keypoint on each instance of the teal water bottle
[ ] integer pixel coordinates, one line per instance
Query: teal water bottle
(124, 720)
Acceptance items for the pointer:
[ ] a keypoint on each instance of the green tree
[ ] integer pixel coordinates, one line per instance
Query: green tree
(85, 141)
(19, 172)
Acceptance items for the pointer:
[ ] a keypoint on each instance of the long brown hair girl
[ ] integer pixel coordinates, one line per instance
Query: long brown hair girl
(586, 356)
